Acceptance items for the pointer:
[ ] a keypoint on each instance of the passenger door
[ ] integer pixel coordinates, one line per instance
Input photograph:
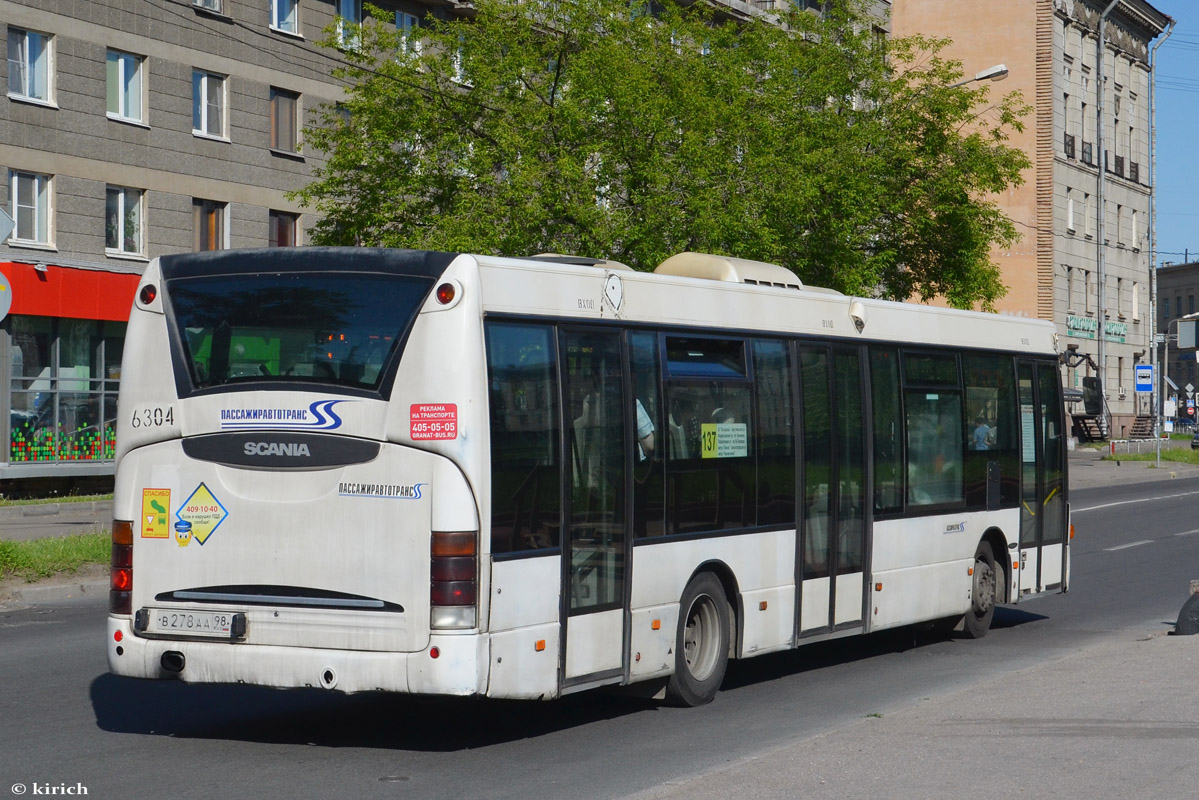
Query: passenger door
(596, 541)
(1043, 516)
(833, 520)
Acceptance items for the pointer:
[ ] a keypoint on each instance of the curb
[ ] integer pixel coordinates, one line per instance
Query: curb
(49, 591)
(53, 509)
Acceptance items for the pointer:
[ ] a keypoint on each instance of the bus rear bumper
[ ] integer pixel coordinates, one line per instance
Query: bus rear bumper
(449, 665)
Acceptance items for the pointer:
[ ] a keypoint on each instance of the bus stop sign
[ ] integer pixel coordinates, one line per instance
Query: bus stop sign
(1144, 379)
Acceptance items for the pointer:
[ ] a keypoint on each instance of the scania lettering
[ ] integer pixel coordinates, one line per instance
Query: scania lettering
(276, 449)
(452, 474)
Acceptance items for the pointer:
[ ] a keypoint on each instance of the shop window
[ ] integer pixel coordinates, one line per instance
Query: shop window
(66, 375)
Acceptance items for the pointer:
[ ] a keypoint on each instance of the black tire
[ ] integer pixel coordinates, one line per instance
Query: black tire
(701, 645)
(984, 593)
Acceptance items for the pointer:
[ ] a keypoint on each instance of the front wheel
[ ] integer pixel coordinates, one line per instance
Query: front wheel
(983, 593)
(701, 650)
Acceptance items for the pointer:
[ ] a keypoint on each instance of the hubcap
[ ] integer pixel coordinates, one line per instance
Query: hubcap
(701, 638)
(984, 587)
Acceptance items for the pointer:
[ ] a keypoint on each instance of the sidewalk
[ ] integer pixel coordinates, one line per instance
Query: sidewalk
(1113, 720)
(1088, 469)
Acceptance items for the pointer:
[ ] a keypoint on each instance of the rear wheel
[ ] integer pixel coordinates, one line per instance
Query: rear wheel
(701, 644)
(983, 593)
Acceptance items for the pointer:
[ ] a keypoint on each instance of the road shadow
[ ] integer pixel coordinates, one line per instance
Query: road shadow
(442, 724)
(836, 652)
(331, 719)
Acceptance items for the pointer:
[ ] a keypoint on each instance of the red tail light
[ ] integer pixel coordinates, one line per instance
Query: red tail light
(454, 579)
(120, 583)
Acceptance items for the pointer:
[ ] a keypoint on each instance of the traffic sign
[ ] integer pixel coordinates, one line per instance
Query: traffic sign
(1144, 378)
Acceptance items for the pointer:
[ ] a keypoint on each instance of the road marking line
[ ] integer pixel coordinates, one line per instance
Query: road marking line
(1126, 546)
(1187, 533)
(1129, 502)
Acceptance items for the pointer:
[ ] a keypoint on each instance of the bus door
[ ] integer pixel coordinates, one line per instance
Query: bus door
(596, 539)
(832, 536)
(1043, 515)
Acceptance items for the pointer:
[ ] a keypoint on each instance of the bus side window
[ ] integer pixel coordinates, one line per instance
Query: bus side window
(990, 428)
(525, 420)
(776, 433)
(933, 408)
(888, 431)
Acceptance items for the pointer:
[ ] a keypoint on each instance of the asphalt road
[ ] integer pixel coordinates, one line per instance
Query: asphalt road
(65, 721)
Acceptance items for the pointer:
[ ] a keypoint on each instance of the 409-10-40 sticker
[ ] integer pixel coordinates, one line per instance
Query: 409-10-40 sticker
(199, 517)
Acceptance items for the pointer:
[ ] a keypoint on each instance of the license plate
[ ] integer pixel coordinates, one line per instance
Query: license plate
(219, 624)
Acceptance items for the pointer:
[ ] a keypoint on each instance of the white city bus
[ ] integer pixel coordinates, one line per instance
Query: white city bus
(455, 474)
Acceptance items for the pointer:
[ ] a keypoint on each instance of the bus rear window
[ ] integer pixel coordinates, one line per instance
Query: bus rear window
(342, 328)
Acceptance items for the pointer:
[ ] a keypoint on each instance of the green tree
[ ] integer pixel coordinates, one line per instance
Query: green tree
(594, 127)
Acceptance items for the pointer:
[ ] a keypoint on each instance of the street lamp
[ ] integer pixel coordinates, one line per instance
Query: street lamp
(995, 73)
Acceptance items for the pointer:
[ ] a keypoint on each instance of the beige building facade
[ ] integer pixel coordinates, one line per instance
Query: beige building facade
(1090, 275)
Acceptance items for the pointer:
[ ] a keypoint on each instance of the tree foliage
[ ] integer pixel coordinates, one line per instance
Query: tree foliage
(592, 127)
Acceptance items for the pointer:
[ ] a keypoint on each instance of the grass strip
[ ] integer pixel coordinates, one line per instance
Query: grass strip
(1177, 455)
(41, 501)
(44, 557)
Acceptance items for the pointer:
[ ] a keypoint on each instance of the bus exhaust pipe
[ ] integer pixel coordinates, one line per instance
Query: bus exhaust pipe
(173, 661)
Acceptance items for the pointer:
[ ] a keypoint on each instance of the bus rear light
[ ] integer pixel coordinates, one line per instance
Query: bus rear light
(120, 582)
(454, 543)
(446, 293)
(453, 573)
(148, 294)
(453, 568)
(1071, 531)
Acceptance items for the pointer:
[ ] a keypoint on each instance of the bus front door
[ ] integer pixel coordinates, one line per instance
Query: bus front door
(595, 554)
(1043, 511)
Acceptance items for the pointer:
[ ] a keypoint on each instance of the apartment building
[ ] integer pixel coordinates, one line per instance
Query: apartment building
(130, 129)
(1089, 274)
(1177, 287)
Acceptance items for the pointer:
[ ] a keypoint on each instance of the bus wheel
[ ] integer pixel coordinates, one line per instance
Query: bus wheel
(982, 594)
(701, 650)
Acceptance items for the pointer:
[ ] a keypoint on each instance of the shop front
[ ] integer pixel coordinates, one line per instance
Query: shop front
(60, 361)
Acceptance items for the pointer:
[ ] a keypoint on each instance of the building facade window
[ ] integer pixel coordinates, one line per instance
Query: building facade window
(30, 195)
(29, 65)
(211, 5)
(1070, 210)
(348, 11)
(124, 79)
(282, 229)
(208, 104)
(284, 112)
(209, 223)
(123, 220)
(285, 16)
(408, 27)
(65, 376)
